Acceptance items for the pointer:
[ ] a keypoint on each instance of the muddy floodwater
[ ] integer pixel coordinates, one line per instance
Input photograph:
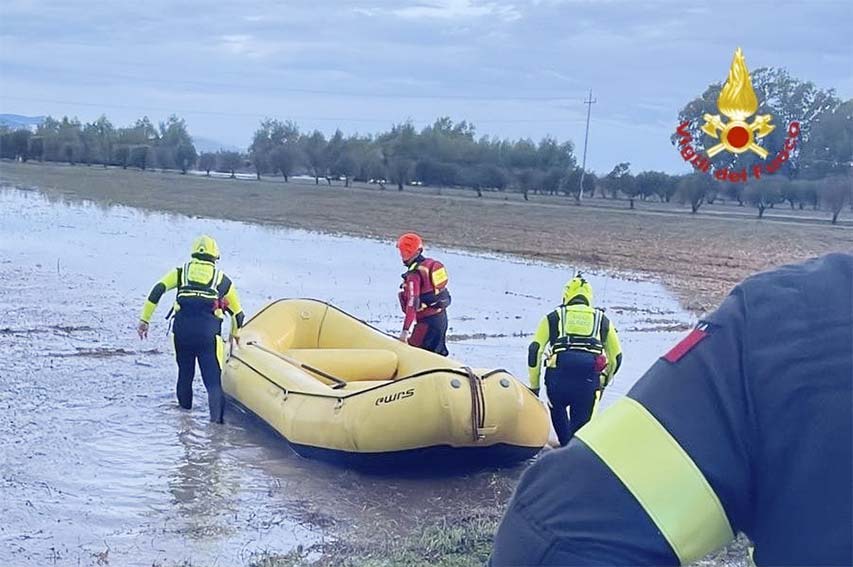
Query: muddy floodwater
(95, 455)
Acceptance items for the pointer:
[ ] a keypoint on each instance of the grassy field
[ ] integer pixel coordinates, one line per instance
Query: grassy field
(699, 257)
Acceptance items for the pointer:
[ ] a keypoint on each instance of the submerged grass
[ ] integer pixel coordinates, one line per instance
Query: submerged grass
(459, 538)
(458, 542)
(445, 542)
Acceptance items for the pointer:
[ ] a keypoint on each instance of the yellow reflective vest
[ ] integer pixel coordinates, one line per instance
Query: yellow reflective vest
(573, 327)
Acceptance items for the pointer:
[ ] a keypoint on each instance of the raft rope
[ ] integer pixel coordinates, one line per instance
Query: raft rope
(457, 371)
(478, 403)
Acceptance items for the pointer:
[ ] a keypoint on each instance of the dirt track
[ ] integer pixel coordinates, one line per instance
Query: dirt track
(700, 257)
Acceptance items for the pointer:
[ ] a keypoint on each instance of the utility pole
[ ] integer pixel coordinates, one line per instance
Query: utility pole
(589, 102)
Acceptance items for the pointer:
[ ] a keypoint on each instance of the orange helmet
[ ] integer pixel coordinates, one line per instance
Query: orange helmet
(409, 245)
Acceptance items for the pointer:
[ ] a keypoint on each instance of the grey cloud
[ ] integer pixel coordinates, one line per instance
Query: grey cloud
(444, 10)
(458, 9)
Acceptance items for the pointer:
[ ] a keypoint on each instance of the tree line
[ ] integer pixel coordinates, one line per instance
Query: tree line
(142, 145)
(450, 154)
(444, 154)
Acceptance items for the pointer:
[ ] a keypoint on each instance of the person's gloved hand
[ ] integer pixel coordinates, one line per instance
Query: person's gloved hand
(142, 330)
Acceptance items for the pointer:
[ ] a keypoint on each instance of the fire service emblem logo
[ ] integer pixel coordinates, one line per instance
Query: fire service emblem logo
(737, 103)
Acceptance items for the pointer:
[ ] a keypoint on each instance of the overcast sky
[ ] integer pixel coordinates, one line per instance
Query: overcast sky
(514, 68)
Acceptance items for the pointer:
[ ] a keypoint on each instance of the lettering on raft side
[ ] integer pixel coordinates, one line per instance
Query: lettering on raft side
(390, 398)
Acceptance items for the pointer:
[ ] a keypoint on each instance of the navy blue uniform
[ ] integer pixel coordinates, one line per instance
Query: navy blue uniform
(745, 426)
(573, 383)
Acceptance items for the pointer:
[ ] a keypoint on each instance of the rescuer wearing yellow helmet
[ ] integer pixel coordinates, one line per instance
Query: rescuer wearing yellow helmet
(204, 295)
(581, 352)
(746, 425)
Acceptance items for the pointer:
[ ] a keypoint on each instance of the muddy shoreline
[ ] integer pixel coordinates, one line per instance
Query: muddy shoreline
(699, 257)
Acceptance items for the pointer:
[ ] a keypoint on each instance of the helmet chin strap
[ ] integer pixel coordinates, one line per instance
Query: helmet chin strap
(407, 261)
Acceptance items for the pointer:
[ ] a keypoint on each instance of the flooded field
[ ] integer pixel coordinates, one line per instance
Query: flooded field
(99, 464)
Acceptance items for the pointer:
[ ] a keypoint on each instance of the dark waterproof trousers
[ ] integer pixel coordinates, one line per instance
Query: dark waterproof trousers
(197, 340)
(429, 334)
(573, 385)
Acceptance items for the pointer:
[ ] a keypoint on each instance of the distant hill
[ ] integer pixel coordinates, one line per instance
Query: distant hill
(16, 121)
(209, 145)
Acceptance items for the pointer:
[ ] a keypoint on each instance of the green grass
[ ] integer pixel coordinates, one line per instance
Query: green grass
(459, 542)
(443, 543)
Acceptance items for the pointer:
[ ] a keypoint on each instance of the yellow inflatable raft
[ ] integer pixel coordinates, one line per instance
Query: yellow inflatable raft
(339, 390)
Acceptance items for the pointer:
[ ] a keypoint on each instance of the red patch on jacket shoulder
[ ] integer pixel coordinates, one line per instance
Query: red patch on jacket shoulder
(687, 344)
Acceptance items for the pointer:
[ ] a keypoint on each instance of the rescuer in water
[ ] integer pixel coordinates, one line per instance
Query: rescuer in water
(204, 295)
(582, 354)
(424, 297)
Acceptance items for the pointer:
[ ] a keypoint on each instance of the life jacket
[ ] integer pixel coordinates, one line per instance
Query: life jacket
(198, 290)
(433, 279)
(575, 327)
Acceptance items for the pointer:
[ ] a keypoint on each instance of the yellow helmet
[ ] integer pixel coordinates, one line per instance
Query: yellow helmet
(205, 246)
(577, 287)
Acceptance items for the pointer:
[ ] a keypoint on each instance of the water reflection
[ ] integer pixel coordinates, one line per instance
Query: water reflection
(201, 483)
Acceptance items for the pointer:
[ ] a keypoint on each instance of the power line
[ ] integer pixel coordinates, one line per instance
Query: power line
(589, 102)
(378, 93)
(190, 112)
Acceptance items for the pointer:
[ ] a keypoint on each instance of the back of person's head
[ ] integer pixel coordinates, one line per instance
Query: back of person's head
(577, 290)
(205, 248)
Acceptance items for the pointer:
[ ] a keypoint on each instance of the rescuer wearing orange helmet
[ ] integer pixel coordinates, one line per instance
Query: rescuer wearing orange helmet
(424, 297)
